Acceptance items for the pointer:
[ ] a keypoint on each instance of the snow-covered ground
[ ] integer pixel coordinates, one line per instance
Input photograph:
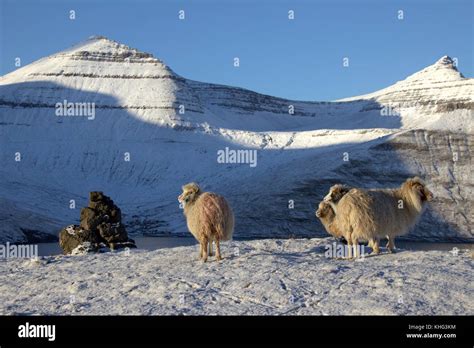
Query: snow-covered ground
(268, 277)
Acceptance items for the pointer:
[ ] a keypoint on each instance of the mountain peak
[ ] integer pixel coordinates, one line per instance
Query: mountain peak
(445, 60)
(103, 45)
(98, 37)
(444, 69)
(101, 48)
(105, 42)
(97, 56)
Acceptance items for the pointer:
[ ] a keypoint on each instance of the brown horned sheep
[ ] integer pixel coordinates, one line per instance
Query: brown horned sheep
(209, 218)
(377, 213)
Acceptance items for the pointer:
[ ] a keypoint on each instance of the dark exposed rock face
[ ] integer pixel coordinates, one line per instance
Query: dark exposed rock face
(113, 232)
(73, 236)
(101, 225)
(89, 219)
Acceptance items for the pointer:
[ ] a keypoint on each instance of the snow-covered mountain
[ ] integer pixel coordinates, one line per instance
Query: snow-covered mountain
(171, 129)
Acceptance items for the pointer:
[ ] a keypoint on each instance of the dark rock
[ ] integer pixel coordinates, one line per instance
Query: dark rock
(112, 233)
(96, 196)
(105, 207)
(130, 243)
(73, 236)
(101, 223)
(84, 248)
(89, 219)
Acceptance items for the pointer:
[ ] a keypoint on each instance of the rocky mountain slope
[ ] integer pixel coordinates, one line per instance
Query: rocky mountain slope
(152, 131)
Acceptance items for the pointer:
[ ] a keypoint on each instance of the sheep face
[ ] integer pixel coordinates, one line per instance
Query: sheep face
(336, 192)
(418, 187)
(324, 210)
(190, 193)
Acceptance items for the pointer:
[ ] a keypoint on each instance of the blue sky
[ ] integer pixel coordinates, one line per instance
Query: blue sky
(297, 59)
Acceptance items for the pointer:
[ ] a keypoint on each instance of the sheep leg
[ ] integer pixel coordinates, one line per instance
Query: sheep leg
(374, 244)
(349, 248)
(210, 248)
(355, 244)
(204, 254)
(391, 244)
(218, 250)
(201, 250)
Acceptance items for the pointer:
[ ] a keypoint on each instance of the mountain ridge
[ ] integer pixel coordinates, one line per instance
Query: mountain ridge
(108, 48)
(173, 127)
